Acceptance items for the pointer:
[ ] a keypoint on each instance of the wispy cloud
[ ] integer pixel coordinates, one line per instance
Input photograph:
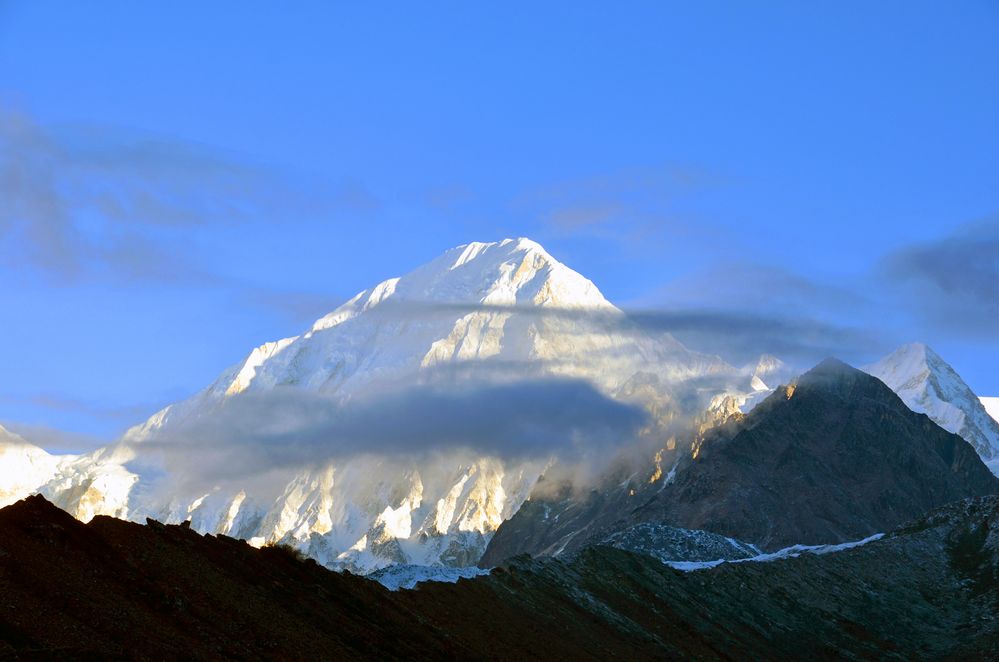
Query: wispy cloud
(297, 307)
(81, 201)
(122, 413)
(754, 287)
(632, 207)
(289, 427)
(735, 334)
(952, 283)
(741, 337)
(54, 440)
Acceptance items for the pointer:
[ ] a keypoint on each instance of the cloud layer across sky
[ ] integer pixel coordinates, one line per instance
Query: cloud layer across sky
(253, 433)
(181, 185)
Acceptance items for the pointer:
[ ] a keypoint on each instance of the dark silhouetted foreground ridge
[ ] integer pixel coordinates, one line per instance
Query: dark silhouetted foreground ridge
(117, 590)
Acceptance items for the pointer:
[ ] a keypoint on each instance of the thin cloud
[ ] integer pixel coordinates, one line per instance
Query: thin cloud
(288, 427)
(573, 218)
(735, 335)
(633, 207)
(294, 306)
(55, 441)
(60, 402)
(741, 337)
(750, 286)
(83, 201)
(953, 283)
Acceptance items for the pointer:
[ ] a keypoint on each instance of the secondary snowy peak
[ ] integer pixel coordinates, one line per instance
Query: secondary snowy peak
(768, 373)
(928, 385)
(24, 467)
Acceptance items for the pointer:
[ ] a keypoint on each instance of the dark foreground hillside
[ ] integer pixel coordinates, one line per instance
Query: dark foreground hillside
(112, 589)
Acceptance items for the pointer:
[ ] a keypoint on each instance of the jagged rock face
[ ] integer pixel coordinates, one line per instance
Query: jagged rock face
(463, 316)
(929, 590)
(928, 385)
(836, 457)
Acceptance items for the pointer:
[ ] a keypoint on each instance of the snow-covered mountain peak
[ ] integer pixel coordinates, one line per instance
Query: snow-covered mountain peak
(911, 365)
(928, 385)
(511, 272)
(911, 357)
(479, 313)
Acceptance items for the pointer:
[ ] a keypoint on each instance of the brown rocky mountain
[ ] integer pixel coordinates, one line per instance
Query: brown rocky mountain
(835, 457)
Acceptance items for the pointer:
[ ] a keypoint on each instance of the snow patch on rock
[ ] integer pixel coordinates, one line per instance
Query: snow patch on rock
(787, 553)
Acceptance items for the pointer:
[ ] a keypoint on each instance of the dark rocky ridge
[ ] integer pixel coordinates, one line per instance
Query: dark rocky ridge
(834, 458)
(117, 590)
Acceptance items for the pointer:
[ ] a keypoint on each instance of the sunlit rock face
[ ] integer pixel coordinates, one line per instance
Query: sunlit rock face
(479, 312)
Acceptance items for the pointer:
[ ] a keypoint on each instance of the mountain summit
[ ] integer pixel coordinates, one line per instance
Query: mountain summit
(457, 307)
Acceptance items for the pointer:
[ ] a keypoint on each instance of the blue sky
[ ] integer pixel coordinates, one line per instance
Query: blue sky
(183, 182)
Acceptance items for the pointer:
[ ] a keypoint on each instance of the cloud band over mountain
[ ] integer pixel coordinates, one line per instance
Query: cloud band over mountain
(289, 427)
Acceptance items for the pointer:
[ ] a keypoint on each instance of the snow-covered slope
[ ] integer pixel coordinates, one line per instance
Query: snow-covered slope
(927, 384)
(470, 314)
(24, 467)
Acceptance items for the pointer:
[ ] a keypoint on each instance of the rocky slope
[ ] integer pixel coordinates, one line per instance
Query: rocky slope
(83, 591)
(836, 457)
